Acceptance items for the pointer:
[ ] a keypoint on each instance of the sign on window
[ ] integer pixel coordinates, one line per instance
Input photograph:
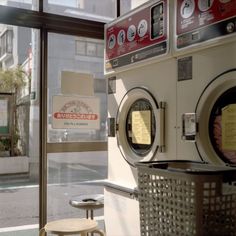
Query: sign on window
(75, 112)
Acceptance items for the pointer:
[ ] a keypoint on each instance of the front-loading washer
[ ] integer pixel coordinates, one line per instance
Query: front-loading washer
(205, 47)
(141, 76)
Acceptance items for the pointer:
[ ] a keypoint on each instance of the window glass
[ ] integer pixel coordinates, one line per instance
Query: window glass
(25, 4)
(100, 50)
(127, 5)
(69, 175)
(6, 42)
(76, 89)
(102, 10)
(140, 111)
(77, 113)
(216, 125)
(80, 47)
(89, 47)
(19, 130)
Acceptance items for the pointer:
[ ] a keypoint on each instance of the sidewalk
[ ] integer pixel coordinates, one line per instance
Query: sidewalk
(33, 230)
(26, 230)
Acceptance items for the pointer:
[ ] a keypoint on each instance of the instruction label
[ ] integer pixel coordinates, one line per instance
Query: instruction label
(141, 127)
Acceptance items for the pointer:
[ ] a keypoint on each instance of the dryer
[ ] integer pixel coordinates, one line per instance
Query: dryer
(205, 47)
(141, 78)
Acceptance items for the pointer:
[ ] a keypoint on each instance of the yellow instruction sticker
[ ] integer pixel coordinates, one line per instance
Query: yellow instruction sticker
(141, 127)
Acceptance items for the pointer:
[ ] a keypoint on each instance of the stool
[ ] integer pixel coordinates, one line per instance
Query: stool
(70, 227)
(88, 202)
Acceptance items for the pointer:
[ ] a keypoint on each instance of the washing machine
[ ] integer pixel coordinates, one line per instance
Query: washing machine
(205, 48)
(141, 78)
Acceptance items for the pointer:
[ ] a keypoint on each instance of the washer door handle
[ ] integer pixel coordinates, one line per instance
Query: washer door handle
(160, 121)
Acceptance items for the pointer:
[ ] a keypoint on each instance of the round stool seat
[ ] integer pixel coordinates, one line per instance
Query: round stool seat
(88, 202)
(71, 226)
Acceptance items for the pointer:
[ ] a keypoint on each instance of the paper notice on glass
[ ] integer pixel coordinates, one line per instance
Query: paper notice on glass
(77, 83)
(141, 127)
(229, 127)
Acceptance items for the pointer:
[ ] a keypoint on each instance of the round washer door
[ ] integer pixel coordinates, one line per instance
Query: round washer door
(216, 111)
(140, 126)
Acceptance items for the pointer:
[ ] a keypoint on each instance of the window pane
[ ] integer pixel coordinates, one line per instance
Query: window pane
(19, 131)
(9, 41)
(100, 50)
(75, 78)
(67, 176)
(91, 49)
(80, 47)
(127, 5)
(102, 10)
(25, 4)
(6, 41)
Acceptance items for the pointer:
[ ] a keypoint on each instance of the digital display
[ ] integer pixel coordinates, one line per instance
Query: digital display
(157, 21)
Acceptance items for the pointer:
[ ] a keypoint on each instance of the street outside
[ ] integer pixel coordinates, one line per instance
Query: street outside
(19, 199)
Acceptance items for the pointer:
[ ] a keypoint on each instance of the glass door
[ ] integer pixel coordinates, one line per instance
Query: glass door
(76, 130)
(19, 130)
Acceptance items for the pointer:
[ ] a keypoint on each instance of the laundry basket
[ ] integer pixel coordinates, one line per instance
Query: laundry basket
(186, 198)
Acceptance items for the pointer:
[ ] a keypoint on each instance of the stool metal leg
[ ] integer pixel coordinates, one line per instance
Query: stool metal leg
(42, 232)
(89, 214)
(100, 232)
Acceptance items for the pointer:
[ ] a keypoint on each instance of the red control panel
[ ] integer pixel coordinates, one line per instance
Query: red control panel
(202, 20)
(139, 35)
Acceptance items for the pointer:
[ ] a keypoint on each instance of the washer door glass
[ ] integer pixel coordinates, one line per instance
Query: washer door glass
(222, 126)
(138, 121)
(216, 111)
(140, 127)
